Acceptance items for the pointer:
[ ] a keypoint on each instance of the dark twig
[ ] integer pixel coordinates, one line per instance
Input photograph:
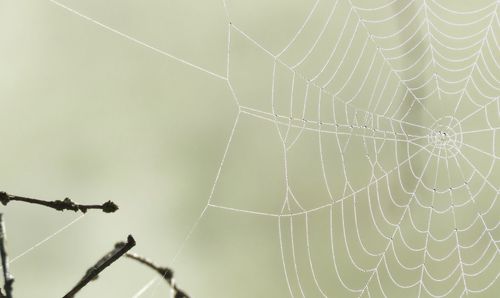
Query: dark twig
(66, 204)
(7, 277)
(166, 273)
(92, 273)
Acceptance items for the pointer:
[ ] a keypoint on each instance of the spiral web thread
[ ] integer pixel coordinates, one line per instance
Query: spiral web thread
(420, 98)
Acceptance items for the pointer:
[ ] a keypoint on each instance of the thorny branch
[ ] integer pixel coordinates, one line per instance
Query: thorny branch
(66, 204)
(8, 278)
(165, 272)
(92, 273)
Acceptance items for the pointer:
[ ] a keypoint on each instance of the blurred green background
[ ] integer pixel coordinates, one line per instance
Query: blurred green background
(91, 115)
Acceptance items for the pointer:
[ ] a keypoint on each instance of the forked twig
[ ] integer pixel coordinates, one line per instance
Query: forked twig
(166, 273)
(66, 204)
(92, 273)
(8, 278)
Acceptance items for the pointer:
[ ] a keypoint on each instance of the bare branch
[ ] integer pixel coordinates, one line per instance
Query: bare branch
(7, 277)
(60, 205)
(92, 273)
(165, 272)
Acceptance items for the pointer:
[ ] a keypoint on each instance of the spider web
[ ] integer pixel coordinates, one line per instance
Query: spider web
(374, 88)
(385, 116)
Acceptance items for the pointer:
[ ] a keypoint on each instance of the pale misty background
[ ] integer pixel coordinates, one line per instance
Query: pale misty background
(91, 115)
